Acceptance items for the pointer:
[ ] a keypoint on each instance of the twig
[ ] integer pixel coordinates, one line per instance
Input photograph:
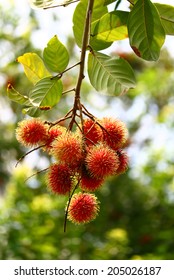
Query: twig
(36, 173)
(66, 70)
(67, 91)
(67, 116)
(26, 154)
(66, 213)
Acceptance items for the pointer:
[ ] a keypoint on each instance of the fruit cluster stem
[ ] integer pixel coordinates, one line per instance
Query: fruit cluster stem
(85, 43)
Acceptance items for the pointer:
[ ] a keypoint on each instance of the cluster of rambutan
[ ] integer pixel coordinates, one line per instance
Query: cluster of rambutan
(83, 159)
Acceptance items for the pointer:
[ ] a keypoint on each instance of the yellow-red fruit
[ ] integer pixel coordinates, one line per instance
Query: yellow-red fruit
(52, 134)
(101, 161)
(68, 149)
(114, 133)
(83, 208)
(31, 132)
(59, 179)
(89, 183)
(123, 161)
(92, 132)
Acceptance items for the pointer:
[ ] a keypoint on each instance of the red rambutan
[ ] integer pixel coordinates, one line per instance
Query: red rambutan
(114, 133)
(83, 208)
(123, 161)
(68, 149)
(31, 132)
(101, 161)
(89, 183)
(52, 134)
(59, 179)
(92, 132)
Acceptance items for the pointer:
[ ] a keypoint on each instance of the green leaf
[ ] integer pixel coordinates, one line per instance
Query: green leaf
(46, 93)
(34, 67)
(107, 2)
(96, 43)
(80, 14)
(43, 4)
(38, 4)
(56, 55)
(32, 111)
(146, 33)
(113, 75)
(167, 17)
(15, 96)
(111, 27)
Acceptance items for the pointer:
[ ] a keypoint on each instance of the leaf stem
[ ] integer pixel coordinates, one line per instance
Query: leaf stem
(66, 70)
(26, 154)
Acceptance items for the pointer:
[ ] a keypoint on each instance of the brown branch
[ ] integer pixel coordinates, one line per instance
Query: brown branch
(85, 42)
(67, 116)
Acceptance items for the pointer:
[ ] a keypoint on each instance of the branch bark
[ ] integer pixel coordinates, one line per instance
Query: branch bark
(85, 43)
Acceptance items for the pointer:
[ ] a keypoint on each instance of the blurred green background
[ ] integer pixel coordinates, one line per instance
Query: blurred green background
(136, 220)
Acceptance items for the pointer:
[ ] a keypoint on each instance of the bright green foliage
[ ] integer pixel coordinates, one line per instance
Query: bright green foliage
(33, 66)
(111, 27)
(41, 3)
(167, 17)
(110, 75)
(99, 10)
(56, 55)
(37, 4)
(16, 96)
(46, 93)
(146, 33)
(145, 25)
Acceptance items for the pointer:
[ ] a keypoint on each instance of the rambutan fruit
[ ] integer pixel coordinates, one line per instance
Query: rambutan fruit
(52, 134)
(83, 208)
(67, 148)
(92, 132)
(59, 179)
(123, 161)
(31, 132)
(114, 133)
(101, 161)
(89, 183)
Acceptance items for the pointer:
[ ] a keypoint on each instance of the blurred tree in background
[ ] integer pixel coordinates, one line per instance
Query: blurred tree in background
(136, 217)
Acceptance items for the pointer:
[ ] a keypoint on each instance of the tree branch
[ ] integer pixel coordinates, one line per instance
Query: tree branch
(85, 43)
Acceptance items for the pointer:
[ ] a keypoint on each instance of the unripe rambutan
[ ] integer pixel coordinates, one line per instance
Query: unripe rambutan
(114, 133)
(92, 132)
(31, 132)
(101, 161)
(83, 208)
(123, 161)
(89, 183)
(68, 149)
(59, 179)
